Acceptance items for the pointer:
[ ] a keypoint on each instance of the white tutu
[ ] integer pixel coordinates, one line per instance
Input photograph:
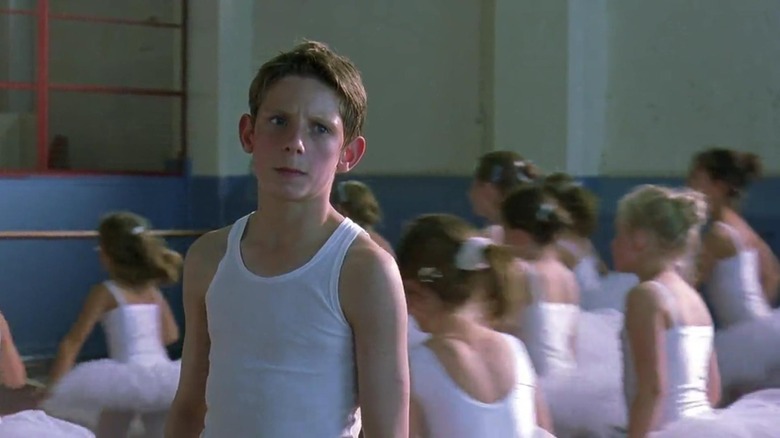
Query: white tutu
(589, 401)
(36, 424)
(109, 385)
(756, 415)
(611, 293)
(748, 353)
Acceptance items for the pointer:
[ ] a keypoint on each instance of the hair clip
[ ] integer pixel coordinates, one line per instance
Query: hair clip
(544, 212)
(521, 171)
(428, 274)
(137, 230)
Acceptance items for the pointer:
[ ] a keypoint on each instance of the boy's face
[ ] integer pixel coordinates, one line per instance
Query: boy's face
(296, 140)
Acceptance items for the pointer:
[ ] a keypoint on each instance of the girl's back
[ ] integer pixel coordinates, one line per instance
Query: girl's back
(134, 331)
(481, 384)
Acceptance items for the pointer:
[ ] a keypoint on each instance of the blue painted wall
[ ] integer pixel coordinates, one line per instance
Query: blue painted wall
(43, 282)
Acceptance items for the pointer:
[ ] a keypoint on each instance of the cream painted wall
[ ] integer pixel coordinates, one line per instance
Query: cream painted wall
(685, 74)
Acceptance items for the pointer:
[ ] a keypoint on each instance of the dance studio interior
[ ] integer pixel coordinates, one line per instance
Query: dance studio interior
(133, 106)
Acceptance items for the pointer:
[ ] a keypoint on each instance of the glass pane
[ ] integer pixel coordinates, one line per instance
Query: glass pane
(18, 149)
(113, 132)
(168, 11)
(114, 55)
(18, 48)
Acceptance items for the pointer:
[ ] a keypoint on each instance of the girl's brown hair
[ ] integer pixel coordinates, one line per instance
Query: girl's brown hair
(533, 209)
(136, 257)
(737, 169)
(505, 170)
(358, 202)
(580, 203)
(428, 251)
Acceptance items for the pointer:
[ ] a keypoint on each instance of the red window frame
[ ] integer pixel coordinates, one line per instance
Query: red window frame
(41, 86)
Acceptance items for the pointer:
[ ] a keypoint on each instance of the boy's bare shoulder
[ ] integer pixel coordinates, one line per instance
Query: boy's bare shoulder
(209, 248)
(366, 254)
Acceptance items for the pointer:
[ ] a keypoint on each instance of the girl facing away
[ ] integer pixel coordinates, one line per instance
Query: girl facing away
(740, 273)
(599, 288)
(575, 353)
(467, 380)
(671, 371)
(497, 174)
(30, 423)
(138, 379)
(355, 200)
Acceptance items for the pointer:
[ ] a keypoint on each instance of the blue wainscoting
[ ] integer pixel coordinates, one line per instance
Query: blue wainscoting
(43, 282)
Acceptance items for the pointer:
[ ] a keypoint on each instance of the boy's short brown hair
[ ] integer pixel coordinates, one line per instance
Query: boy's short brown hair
(316, 60)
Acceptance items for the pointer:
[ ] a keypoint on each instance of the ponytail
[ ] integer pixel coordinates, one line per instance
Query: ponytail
(502, 285)
(162, 264)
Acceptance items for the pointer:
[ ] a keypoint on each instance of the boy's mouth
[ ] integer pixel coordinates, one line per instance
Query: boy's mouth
(289, 171)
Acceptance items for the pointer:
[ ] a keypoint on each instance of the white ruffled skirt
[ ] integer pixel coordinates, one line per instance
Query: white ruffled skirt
(757, 415)
(109, 385)
(588, 401)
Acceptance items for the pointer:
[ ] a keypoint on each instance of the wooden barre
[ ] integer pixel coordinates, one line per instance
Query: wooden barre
(88, 234)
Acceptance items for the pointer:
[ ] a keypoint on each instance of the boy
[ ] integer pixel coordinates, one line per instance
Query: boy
(294, 317)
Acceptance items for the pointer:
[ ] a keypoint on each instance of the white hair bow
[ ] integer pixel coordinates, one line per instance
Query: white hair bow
(471, 255)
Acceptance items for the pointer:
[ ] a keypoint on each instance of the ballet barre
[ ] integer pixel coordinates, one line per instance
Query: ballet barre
(87, 234)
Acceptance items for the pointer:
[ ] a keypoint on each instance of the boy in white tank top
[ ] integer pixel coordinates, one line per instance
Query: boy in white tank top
(294, 316)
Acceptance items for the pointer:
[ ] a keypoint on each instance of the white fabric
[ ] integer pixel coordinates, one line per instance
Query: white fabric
(734, 287)
(138, 377)
(688, 352)
(282, 359)
(451, 413)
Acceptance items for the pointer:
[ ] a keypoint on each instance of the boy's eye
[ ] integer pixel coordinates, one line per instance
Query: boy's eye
(321, 129)
(277, 120)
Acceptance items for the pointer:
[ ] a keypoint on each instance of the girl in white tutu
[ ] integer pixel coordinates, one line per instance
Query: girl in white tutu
(31, 423)
(671, 372)
(497, 174)
(579, 374)
(740, 273)
(599, 288)
(139, 378)
(467, 381)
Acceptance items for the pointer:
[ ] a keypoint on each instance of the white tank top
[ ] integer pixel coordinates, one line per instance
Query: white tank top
(548, 329)
(734, 288)
(282, 358)
(451, 413)
(688, 350)
(133, 331)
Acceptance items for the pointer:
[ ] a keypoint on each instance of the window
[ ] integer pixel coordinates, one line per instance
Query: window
(92, 86)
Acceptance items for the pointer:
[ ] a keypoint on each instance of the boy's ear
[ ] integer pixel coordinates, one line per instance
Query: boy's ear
(246, 131)
(351, 154)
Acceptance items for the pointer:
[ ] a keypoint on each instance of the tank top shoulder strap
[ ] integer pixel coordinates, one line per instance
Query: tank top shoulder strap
(736, 238)
(534, 282)
(670, 300)
(524, 370)
(115, 292)
(337, 247)
(236, 233)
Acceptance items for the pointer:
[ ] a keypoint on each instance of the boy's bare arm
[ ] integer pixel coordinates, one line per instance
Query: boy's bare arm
(186, 416)
(374, 304)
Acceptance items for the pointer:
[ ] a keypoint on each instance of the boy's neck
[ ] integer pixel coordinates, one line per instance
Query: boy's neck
(283, 222)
